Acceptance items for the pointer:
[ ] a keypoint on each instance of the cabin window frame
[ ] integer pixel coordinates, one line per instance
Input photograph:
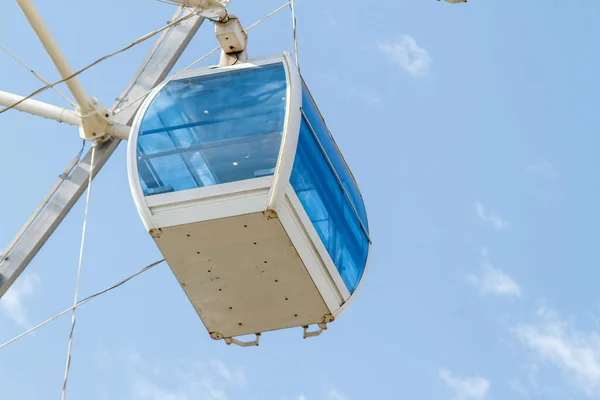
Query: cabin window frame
(145, 203)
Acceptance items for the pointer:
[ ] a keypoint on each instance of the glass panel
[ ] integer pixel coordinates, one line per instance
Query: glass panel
(334, 155)
(329, 209)
(213, 129)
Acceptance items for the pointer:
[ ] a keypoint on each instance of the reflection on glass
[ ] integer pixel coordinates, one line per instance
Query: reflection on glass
(317, 123)
(327, 205)
(213, 129)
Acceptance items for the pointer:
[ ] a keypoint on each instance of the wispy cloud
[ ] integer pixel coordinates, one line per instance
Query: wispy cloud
(497, 221)
(407, 54)
(329, 22)
(190, 385)
(518, 387)
(299, 397)
(473, 388)
(187, 381)
(530, 380)
(543, 170)
(102, 357)
(334, 394)
(543, 178)
(234, 376)
(13, 302)
(367, 97)
(143, 388)
(575, 352)
(494, 280)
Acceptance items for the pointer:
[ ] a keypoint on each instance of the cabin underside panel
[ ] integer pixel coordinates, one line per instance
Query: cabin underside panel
(242, 274)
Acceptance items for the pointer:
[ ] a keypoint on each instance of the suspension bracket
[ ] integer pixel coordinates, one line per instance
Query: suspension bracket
(94, 124)
(310, 334)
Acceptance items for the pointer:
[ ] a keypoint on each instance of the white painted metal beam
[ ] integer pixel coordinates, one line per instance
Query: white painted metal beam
(94, 121)
(40, 109)
(58, 58)
(154, 70)
(58, 114)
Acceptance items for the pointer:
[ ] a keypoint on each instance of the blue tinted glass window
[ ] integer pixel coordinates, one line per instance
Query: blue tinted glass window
(213, 129)
(329, 209)
(334, 155)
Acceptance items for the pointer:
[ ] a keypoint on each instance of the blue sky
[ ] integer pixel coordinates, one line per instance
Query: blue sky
(472, 130)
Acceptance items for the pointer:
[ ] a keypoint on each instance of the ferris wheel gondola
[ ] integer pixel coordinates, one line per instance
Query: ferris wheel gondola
(246, 194)
(235, 176)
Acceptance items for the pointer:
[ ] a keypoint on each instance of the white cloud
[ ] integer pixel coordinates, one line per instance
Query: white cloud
(497, 222)
(299, 397)
(518, 387)
(190, 385)
(544, 170)
(367, 97)
(147, 390)
(13, 302)
(575, 352)
(406, 53)
(186, 381)
(474, 388)
(334, 394)
(236, 377)
(493, 280)
(102, 357)
(329, 22)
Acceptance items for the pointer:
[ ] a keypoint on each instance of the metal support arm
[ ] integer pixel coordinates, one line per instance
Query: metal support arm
(58, 114)
(95, 118)
(155, 69)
